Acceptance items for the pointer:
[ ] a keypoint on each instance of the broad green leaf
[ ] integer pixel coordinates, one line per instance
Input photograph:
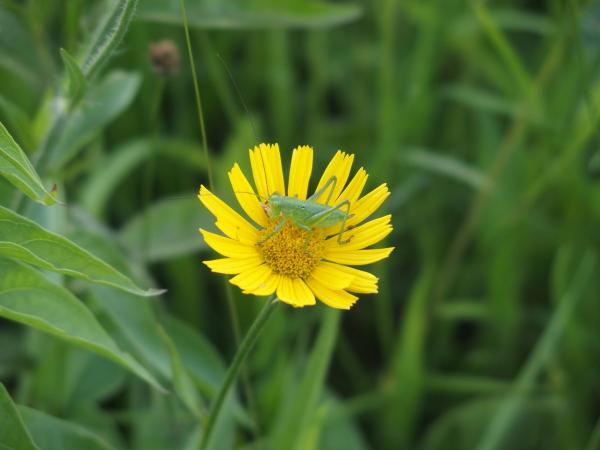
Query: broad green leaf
(107, 36)
(181, 379)
(167, 229)
(136, 322)
(53, 433)
(250, 13)
(102, 103)
(18, 121)
(17, 169)
(13, 434)
(27, 297)
(120, 163)
(199, 356)
(25, 240)
(76, 83)
(88, 379)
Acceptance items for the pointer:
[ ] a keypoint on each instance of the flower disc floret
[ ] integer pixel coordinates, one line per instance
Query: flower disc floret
(291, 251)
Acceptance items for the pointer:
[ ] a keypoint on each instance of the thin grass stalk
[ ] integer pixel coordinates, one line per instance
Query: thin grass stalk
(509, 145)
(196, 93)
(510, 407)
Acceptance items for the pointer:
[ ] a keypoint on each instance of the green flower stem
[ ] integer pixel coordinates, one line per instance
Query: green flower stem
(234, 369)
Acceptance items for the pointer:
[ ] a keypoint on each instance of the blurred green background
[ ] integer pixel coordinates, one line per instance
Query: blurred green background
(483, 119)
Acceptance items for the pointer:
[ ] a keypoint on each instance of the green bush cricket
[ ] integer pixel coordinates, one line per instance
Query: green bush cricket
(307, 214)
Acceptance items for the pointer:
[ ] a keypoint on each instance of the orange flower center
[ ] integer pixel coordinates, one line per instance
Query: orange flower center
(291, 251)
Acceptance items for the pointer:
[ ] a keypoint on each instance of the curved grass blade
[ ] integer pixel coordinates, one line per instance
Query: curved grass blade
(294, 420)
(103, 102)
(57, 434)
(27, 297)
(445, 165)
(545, 347)
(17, 169)
(13, 434)
(24, 240)
(251, 14)
(166, 230)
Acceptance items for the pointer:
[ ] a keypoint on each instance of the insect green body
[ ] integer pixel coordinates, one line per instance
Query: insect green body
(308, 214)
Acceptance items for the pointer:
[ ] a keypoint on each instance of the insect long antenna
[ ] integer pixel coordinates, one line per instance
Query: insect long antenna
(239, 93)
(262, 161)
(245, 106)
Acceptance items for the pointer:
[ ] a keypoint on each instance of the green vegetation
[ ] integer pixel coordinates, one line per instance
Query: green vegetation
(482, 117)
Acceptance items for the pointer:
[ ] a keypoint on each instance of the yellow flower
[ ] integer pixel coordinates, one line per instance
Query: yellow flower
(296, 264)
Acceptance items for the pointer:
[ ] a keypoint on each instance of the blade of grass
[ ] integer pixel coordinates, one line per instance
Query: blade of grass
(188, 43)
(546, 346)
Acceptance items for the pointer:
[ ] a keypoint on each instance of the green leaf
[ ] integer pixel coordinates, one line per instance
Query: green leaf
(250, 14)
(77, 83)
(136, 322)
(107, 36)
(19, 64)
(56, 434)
(182, 381)
(25, 240)
(27, 297)
(500, 425)
(295, 419)
(408, 366)
(13, 434)
(121, 162)
(17, 169)
(167, 229)
(199, 356)
(18, 121)
(102, 103)
(445, 165)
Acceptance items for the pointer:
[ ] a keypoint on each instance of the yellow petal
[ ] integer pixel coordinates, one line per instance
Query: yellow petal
(268, 286)
(228, 247)
(354, 188)
(265, 160)
(228, 221)
(364, 235)
(368, 204)
(357, 257)
(300, 170)
(252, 279)
(339, 167)
(335, 299)
(246, 196)
(233, 266)
(331, 275)
(295, 292)
(259, 172)
(362, 282)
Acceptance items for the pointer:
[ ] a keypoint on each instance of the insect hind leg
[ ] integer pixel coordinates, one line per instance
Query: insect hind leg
(332, 181)
(317, 218)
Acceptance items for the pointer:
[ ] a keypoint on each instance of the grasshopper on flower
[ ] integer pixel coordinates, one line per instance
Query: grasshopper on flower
(309, 214)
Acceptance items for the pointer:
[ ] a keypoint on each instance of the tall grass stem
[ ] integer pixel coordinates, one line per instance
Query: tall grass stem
(196, 93)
